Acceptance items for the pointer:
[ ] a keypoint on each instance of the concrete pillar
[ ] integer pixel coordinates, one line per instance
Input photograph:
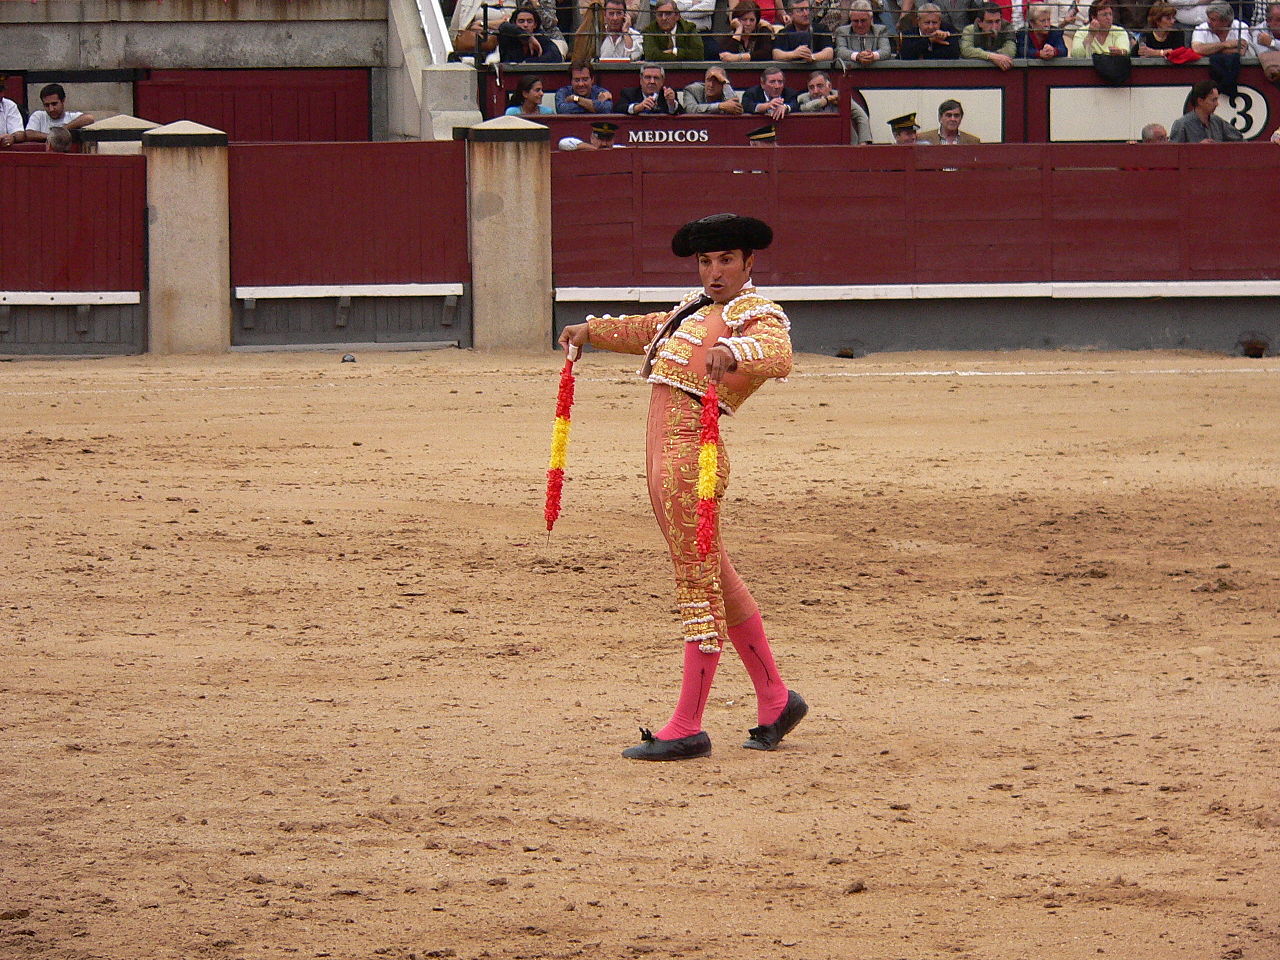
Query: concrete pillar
(509, 187)
(449, 95)
(119, 134)
(189, 248)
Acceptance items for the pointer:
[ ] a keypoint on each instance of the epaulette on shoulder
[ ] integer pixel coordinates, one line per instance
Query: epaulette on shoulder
(751, 306)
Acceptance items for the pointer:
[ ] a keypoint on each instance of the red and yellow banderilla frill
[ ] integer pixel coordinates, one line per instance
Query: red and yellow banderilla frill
(560, 441)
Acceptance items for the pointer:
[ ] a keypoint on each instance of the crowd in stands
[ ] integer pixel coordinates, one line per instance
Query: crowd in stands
(53, 125)
(862, 33)
(851, 35)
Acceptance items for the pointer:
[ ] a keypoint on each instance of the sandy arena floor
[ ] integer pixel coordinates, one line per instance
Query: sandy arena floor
(292, 669)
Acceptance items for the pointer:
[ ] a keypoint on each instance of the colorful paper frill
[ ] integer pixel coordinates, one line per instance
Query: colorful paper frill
(559, 445)
(708, 463)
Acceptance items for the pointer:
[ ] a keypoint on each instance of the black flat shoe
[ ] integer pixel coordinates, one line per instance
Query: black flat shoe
(684, 748)
(770, 735)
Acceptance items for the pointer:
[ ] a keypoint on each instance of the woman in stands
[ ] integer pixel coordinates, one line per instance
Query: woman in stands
(1163, 34)
(1040, 40)
(1101, 35)
(751, 38)
(526, 99)
(520, 42)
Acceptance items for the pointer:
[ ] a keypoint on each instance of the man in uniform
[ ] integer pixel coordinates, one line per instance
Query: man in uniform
(904, 129)
(726, 334)
(602, 133)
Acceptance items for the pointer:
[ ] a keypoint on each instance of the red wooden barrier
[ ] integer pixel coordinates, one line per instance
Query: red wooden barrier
(261, 105)
(73, 223)
(348, 213)
(1001, 213)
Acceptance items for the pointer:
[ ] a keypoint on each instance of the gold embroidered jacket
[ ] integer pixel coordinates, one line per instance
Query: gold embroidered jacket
(758, 337)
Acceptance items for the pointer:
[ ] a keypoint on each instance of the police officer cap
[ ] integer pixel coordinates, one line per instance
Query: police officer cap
(722, 231)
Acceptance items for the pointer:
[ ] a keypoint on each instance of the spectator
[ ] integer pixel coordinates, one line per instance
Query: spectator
(58, 141)
(862, 41)
(1199, 124)
(770, 96)
(653, 96)
(669, 38)
(1063, 14)
(620, 41)
(526, 99)
(1191, 13)
(712, 95)
(989, 38)
(929, 41)
(583, 94)
(904, 129)
(821, 97)
(602, 134)
(1155, 133)
(950, 113)
(1040, 40)
(1101, 35)
(520, 42)
(1163, 34)
(1266, 36)
(54, 114)
(11, 131)
(801, 41)
(766, 136)
(751, 39)
(1221, 32)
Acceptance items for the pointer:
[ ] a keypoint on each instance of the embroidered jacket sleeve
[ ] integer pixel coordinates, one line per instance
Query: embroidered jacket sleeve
(759, 338)
(630, 334)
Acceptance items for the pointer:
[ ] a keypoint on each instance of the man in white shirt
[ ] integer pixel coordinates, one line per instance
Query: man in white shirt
(10, 123)
(54, 114)
(1221, 32)
(1266, 36)
(620, 41)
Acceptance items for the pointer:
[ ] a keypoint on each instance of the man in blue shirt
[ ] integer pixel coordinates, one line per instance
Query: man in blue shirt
(583, 94)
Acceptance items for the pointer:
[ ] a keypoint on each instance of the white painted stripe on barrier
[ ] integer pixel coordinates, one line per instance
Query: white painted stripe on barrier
(946, 291)
(351, 290)
(63, 298)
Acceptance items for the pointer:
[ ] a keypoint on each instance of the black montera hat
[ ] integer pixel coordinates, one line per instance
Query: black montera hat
(721, 231)
(604, 129)
(905, 122)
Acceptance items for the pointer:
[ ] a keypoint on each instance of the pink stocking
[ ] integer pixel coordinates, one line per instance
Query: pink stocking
(752, 646)
(699, 671)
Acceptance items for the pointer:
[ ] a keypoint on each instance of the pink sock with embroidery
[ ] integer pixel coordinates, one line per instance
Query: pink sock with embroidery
(752, 646)
(699, 671)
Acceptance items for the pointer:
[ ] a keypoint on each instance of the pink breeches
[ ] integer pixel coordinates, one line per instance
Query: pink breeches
(710, 594)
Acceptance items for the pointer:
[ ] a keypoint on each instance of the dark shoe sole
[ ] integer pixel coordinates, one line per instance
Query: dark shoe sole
(768, 737)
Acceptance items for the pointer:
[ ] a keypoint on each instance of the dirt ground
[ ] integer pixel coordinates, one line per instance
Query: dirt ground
(292, 669)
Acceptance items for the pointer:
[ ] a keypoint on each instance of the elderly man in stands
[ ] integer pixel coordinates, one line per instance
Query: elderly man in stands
(821, 97)
(54, 114)
(712, 95)
(653, 97)
(801, 41)
(929, 41)
(583, 94)
(670, 38)
(1221, 32)
(1199, 124)
(861, 41)
(11, 128)
(950, 114)
(770, 96)
(620, 40)
(990, 38)
(1155, 133)
(1266, 43)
